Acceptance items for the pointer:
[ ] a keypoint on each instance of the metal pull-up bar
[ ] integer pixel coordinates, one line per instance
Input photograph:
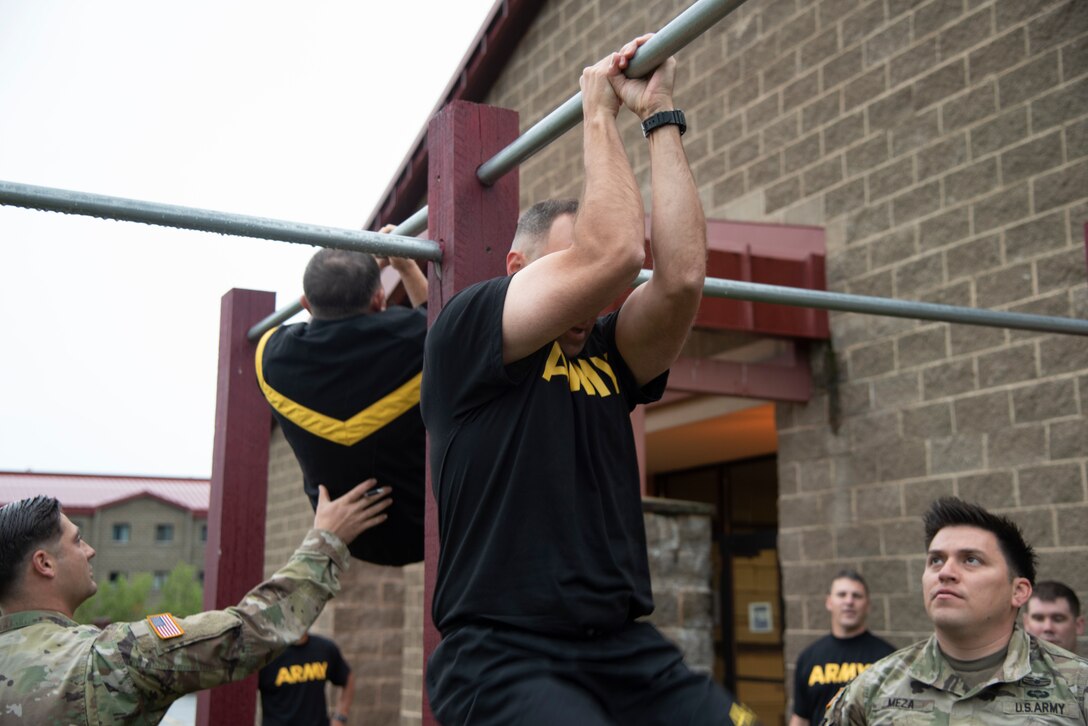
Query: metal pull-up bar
(680, 31)
(846, 303)
(97, 205)
(206, 220)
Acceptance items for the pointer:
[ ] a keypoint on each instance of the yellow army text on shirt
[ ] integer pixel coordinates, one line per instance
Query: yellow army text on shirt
(53, 670)
(1038, 683)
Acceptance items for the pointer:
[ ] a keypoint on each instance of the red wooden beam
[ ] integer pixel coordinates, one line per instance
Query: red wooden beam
(474, 224)
(234, 553)
(789, 382)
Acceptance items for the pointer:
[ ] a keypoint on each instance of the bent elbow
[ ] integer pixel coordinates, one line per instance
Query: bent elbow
(632, 261)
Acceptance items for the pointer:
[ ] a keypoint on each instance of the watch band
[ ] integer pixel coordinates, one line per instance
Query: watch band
(665, 118)
(341, 717)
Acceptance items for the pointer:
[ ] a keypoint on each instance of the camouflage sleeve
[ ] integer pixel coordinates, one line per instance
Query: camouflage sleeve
(131, 662)
(847, 707)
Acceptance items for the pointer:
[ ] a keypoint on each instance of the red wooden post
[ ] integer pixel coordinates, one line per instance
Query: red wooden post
(474, 224)
(234, 554)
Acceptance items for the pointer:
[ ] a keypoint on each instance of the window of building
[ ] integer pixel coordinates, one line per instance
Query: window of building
(204, 533)
(122, 532)
(115, 576)
(200, 576)
(164, 533)
(159, 579)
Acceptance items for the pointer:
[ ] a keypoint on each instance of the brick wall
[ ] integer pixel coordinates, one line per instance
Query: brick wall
(366, 619)
(943, 144)
(411, 704)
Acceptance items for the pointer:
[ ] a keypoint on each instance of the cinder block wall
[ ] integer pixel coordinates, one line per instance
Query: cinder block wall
(944, 147)
(411, 704)
(366, 619)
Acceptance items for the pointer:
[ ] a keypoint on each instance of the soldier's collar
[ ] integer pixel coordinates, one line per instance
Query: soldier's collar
(930, 667)
(31, 617)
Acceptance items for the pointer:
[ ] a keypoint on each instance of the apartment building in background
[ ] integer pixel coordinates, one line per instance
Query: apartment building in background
(136, 524)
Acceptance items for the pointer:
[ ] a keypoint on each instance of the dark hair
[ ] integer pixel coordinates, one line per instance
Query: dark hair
(25, 525)
(340, 283)
(849, 574)
(1052, 590)
(952, 512)
(535, 223)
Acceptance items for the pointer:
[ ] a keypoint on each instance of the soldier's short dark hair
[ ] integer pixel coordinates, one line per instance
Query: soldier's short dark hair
(1052, 591)
(340, 283)
(952, 511)
(849, 574)
(535, 223)
(25, 526)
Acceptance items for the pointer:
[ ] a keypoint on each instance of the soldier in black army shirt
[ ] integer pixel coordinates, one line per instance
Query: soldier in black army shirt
(344, 387)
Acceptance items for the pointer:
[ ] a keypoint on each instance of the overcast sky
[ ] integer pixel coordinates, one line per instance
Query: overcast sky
(298, 111)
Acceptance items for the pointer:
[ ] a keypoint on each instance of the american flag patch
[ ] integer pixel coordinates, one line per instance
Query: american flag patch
(165, 626)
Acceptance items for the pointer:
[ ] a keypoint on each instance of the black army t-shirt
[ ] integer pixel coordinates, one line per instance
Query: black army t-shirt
(534, 470)
(293, 685)
(829, 664)
(346, 394)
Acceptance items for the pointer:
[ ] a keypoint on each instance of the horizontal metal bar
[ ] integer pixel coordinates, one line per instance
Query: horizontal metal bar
(680, 31)
(206, 220)
(823, 300)
(416, 224)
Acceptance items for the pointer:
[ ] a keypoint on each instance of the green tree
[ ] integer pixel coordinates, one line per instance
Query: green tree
(122, 600)
(182, 594)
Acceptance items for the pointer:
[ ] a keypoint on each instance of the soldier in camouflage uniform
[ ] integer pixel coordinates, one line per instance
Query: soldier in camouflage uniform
(55, 671)
(979, 666)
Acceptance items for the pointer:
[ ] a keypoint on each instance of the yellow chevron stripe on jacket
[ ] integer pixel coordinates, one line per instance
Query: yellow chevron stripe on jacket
(346, 433)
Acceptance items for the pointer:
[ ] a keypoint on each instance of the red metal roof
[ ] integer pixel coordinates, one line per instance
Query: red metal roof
(86, 493)
(498, 37)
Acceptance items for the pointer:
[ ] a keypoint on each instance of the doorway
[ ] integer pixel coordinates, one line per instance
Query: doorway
(748, 628)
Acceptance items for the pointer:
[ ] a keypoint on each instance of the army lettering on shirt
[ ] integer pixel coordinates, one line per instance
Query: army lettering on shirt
(1057, 708)
(302, 673)
(589, 375)
(835, 673)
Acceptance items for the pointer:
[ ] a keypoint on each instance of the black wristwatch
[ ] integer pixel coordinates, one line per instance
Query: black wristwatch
(341, 717)
(665, 118)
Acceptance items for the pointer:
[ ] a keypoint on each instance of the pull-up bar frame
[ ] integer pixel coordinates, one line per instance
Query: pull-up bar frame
(677, 34)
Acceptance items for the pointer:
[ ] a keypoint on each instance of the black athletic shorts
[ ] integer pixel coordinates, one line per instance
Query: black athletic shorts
(487, 674)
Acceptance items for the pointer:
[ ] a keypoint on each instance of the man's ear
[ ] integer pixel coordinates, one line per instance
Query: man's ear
(1080, 624)
(514, 261)
(43, 564)
(305, 303)
(377, 301)
(1021, 592)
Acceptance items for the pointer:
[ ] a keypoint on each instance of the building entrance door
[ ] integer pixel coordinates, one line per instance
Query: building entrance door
(748, 624)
